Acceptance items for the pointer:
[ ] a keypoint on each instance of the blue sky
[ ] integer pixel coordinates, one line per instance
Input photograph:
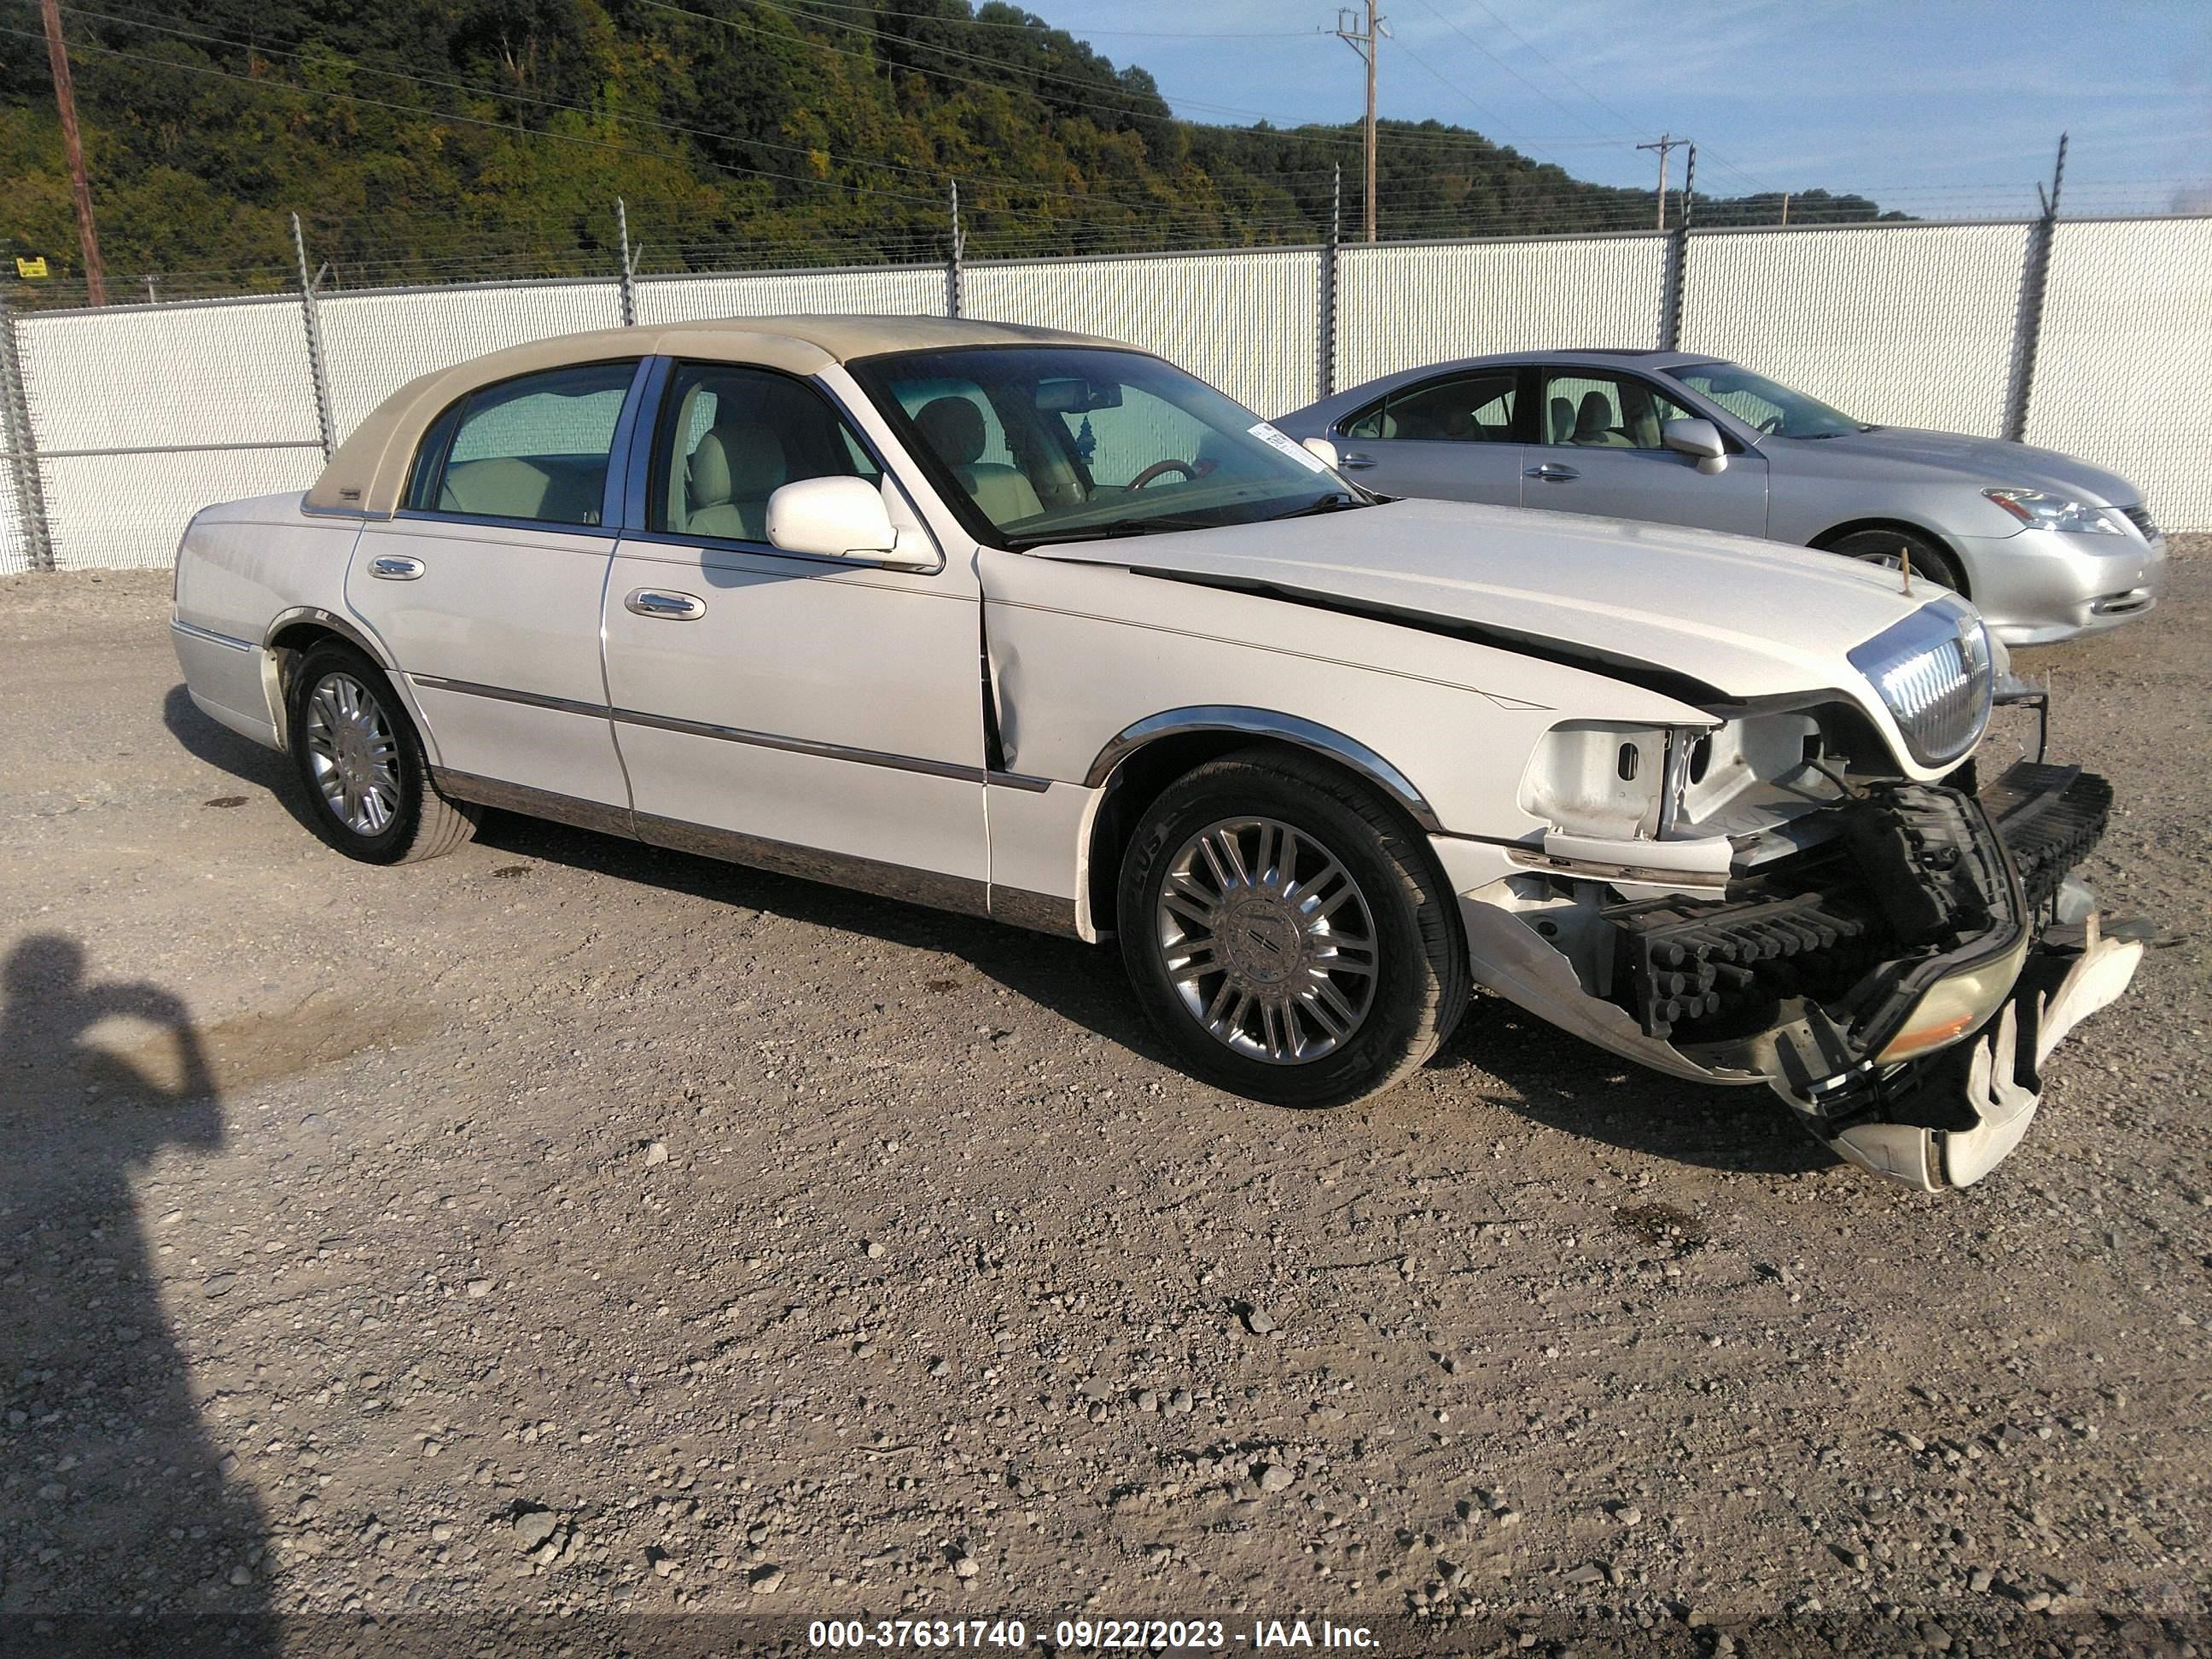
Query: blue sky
(1932, 107)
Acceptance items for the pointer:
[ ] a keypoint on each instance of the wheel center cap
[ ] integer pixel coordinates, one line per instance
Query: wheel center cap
(1259, 941)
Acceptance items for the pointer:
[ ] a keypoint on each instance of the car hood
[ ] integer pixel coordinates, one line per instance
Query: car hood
(1985, 461)
(1713, 613)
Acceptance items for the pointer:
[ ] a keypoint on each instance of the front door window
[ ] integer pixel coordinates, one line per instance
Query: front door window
(1584, 410)
(732, 438)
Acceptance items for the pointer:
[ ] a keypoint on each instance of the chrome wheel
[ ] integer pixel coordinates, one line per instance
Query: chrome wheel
(1267, 940)
(352, 754)
(1921, 573)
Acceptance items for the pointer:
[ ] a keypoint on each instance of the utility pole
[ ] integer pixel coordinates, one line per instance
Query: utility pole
(1362, 41)
(1785, 207)
(1667, 144)
(95, 284)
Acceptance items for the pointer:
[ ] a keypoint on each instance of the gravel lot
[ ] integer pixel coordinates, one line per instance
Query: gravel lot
(567, 1227)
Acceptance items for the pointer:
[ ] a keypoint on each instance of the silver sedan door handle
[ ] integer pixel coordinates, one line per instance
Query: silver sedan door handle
(668, 607)
(396, 568)
(1551, 472)
(1353, 461)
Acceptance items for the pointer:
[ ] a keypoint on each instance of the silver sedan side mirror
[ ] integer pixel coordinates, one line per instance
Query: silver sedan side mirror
(1698, 438)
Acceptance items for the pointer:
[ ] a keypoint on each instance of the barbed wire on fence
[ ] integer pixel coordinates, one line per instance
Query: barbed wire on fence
(1275, 325)
(559, 251)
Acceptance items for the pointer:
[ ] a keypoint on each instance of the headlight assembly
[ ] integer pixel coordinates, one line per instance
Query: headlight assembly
(1934, 674)
(2039, 510)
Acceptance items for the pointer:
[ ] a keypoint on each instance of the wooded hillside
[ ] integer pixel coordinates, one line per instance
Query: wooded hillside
(434, 139)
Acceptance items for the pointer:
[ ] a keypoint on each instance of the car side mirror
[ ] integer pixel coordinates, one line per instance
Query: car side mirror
(839, 518)
(1698, 438)
(1324, 449)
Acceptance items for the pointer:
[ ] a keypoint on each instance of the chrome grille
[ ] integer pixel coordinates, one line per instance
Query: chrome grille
(2139, 518)
(1933, 672)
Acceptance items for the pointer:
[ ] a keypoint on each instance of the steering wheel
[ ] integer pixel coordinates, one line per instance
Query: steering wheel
(1158, 467)
(1770, 425)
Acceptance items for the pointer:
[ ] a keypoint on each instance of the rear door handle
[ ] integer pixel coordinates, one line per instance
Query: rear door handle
(1353, 461)
(668, 607)
(396, 568)
(1551, 472)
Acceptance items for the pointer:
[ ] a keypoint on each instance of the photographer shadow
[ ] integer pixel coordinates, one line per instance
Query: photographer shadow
(117, 1507)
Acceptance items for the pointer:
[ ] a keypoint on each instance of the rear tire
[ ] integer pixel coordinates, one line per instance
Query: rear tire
(361, 764)
(1880, 547)
(1288, 933)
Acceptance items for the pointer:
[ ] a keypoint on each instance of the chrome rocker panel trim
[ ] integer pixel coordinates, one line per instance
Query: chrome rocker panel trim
(1038, 911)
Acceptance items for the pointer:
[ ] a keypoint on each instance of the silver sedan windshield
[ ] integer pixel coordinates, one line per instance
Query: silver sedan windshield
(1767, 406)
(1062, 443)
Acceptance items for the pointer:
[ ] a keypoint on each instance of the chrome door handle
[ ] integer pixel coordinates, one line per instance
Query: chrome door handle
(1551, 472)
(396, 568)
(1354, 461)
(668, 607)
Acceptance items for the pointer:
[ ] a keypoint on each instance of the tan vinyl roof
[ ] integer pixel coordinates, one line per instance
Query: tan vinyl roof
(368, 471)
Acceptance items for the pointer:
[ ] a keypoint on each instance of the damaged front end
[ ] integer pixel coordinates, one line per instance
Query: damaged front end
(1899, 988)
(1894, 959)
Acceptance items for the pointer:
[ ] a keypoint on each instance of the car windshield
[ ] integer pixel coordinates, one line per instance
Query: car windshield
(1078, 443)
(1764, 404)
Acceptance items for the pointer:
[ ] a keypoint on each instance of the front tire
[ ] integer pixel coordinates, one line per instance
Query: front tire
(1287, 933)
(361, 761)
(1881, 547)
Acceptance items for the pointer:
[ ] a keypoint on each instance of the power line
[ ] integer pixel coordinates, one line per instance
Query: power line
(1507, 67)
(1628, 126)
(1307, 131)
(505, 95)
(1040, 27)
(474, 121)
(1153, 203)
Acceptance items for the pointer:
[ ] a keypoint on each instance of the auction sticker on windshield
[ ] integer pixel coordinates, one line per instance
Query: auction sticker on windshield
(1290, 447)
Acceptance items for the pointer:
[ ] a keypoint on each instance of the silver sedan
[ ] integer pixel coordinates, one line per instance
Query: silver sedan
(2046, 546)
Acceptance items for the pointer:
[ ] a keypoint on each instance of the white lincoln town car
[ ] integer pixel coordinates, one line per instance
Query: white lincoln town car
(1037, 627)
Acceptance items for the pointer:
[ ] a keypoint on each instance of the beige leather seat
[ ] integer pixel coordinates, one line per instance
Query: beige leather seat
(507, 487)
(1594, 424)
(954, 429)
(1563, 421)
(738, 465)
(499, 487)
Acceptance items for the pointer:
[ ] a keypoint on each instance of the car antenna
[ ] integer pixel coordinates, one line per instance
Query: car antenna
(1905, 563)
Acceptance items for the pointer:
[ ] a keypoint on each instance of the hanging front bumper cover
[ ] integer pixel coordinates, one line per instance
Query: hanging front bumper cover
(1898, 991)
(1947, 1120)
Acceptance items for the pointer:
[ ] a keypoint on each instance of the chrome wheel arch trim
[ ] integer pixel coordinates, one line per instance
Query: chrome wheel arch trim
(1266, 723)
(272, 679)
(349, 631)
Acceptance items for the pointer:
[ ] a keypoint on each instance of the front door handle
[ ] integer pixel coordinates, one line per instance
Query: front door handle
(668, 607)
(1551, 472)
(1353, 461)
(396, 568)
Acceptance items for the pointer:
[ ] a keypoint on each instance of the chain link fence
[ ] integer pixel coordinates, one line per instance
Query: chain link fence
(2082, 336)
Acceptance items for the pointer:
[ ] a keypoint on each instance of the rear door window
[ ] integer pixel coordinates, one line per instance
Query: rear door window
(534, 448)
(1471, 408)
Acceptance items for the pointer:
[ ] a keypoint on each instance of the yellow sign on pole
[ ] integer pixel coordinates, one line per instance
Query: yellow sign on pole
(31, 269)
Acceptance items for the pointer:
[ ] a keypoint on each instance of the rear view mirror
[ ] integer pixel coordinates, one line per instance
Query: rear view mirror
(1075, 396)
(835, 518)
(1323, 448)
(1698, 438)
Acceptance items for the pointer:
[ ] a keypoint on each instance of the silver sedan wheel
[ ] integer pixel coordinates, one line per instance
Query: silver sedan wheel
(1267, 940)
(353, 754)
(1896, 561)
